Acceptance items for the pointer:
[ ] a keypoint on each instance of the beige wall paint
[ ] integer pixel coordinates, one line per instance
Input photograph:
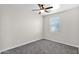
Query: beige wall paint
(69, 32)
(18, 25)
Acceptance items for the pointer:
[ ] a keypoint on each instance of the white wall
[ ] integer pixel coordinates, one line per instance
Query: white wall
(69, 32)
(18, 25)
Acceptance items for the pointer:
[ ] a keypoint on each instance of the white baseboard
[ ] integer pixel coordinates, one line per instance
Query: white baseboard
(18, 45)
(62, 42)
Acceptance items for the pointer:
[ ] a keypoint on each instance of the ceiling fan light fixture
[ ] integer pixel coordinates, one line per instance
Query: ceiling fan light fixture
(43, 8)
(42, 11)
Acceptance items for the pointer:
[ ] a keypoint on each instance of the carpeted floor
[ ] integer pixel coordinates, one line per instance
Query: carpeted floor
(43, 47)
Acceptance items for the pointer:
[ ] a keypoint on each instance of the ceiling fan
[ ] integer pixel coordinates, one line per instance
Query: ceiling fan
(42, 8)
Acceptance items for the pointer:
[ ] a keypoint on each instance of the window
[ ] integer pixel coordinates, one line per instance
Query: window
(55, 24)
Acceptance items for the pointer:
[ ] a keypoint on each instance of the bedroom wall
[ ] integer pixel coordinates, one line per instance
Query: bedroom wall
(69, 27)
(18, 26)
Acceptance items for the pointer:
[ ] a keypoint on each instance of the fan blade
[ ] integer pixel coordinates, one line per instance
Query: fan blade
(36, 10)
(39, 12)
(41, 6)
(47, 11)
(48, 7)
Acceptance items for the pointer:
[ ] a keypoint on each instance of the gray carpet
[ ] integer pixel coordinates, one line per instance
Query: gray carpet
(43, 47)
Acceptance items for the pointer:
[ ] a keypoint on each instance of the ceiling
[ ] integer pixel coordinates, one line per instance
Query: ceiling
(57, 8)
(29, 7)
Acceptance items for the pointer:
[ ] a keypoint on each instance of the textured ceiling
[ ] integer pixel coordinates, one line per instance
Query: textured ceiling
(61, 7)
(30, 7)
